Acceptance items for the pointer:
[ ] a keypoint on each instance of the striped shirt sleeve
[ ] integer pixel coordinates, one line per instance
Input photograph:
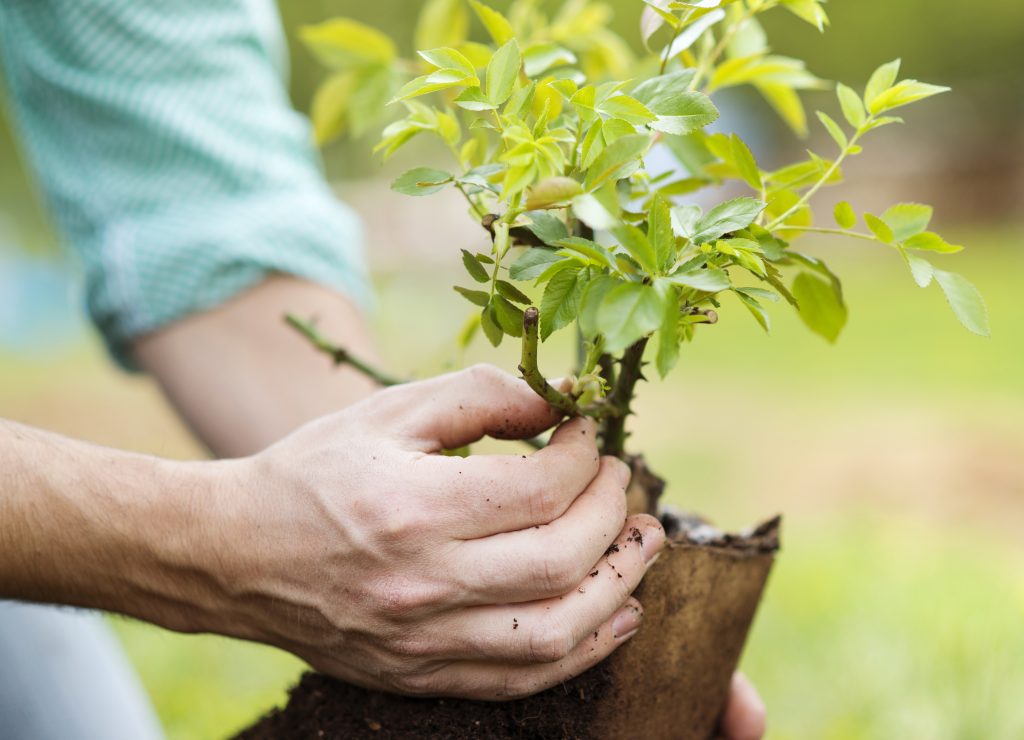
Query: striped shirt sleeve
(163, 140)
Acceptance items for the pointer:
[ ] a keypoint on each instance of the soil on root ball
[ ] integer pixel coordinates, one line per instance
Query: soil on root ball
(669, 682)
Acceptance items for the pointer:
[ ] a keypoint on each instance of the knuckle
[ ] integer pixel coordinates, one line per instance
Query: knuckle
(550, 644)
(484, 373)
(543, 498)
(398, 599)
(557, 575)
(416, 683)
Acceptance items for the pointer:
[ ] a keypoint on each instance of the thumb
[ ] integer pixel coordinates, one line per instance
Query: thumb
(456, 409)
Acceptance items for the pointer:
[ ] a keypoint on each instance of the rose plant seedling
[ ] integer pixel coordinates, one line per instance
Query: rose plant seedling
(549, 125)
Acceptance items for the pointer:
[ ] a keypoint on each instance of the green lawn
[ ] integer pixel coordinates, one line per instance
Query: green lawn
(898, 600)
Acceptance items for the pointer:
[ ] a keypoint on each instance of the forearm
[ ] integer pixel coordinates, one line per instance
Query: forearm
(82, 525)
(243, 379)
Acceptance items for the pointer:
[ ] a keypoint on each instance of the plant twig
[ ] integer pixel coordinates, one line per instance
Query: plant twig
(532, 374)
(340, 355)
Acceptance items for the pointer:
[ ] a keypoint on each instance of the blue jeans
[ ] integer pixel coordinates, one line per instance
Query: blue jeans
(64, 676)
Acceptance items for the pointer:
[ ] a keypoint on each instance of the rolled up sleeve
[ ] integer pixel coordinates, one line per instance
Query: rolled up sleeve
(164, 143)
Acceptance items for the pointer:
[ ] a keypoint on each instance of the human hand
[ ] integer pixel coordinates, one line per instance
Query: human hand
(354, 545)
(744, 717)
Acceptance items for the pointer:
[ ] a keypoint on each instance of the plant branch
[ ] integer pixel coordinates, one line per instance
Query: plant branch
(806, 198)
(832, 232)
(340, 355)
(621, 398)
(532, 374)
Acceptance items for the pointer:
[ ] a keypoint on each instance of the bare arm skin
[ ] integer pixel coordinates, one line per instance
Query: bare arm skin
(242, 379)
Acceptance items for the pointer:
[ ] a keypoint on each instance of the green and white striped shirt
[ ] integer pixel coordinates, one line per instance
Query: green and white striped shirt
(164, 142)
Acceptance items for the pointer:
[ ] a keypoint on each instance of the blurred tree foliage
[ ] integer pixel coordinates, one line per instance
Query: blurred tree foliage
(976, 45)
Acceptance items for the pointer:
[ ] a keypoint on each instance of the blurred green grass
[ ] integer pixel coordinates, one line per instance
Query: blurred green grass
(892, 613)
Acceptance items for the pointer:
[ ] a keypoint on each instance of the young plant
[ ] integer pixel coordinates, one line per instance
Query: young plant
(548, 126)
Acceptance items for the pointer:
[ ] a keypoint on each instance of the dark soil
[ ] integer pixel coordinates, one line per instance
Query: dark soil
(323, 708)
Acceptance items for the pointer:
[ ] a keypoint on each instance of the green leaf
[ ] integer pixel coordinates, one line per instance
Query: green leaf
(496, 24)
(929, 241)
(966, 302)
(685, 113)
(442, 79)
(628, 313)
(881, 80)
(502, 72)
(627, 109)
(845, 216)
(591, 302)
(555, 191)
(489, 323)
(668, 335)
(636, 243)
(476, 297)
(834, 130)
(658, 93)
(508, 317)
(342, 42)
(533, 262)
(756, 310)
(474, 268)
(540, 57)
(685, 220)
(620, 159)
(448, 58)
(421, 181)
(907, 220)
(921, 269)
(508, 290)
(904, 93)
(473, 98)
(821, 306)
(727, 217)
(787, 104)
(709, 280)
(745, 162)
(593, 212)
(660, 233)
(809, 11)
(441, 23)
(879, 228)
(561, 301)
(547, 227)
(852, 105)
(590, 250)
(331, 105)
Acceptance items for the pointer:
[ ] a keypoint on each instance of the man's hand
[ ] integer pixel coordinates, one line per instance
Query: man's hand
(355, 545)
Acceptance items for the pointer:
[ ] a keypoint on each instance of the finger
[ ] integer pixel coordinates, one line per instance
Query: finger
(745, 715)
(489, 494)
(549, 561)
(547, 631)
(546, 560)
(456, 409)
(504, 682)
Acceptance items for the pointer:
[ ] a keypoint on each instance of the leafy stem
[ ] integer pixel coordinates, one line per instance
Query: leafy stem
(806, 198)
(340, 355)
(707, 63)
(834, 232)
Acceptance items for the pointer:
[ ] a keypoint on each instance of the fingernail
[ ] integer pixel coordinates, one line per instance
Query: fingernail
(627, 622)
(654, 541)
